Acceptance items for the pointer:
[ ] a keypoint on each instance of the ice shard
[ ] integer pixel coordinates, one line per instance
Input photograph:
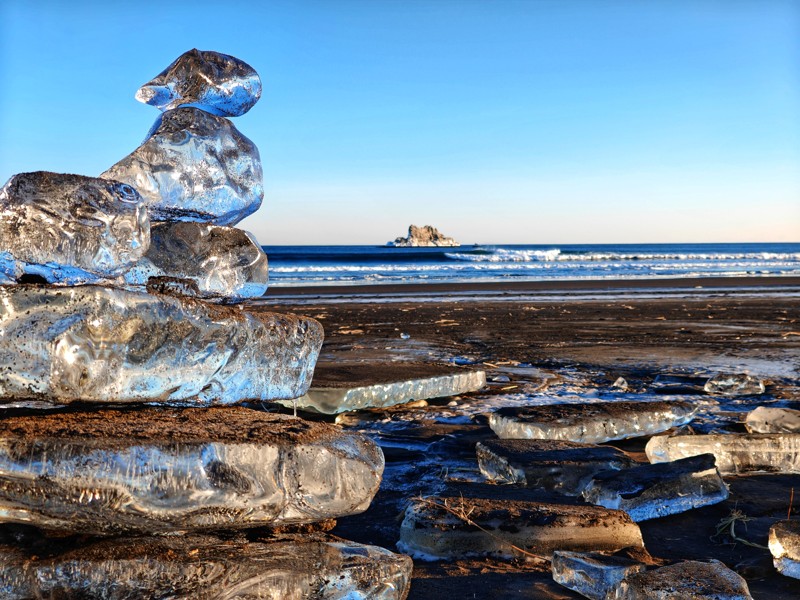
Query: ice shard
(592, 574)
(331, 395)
(215, 82)
(784, 544)
(564, 467)
(653, 491)
(689, 579)
(734, 452)
(773, 420)
(194, 166)
(98, 344)
(70, 229)
(202, 567)
(436, 528)
(161, 470)
(734, 384)
(223, 262)
(590, 423)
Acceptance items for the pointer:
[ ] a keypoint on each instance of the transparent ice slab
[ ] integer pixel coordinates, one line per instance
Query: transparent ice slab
(224, 262)
(652, 491)
(163, 470)
(734, 384)
(215, 82)
(690, 580)
(564, 467)
(194, 166)
(331, 400)
(592, 574)
(784, 544)
(435, 528)
(69, 228)
(734, 452)
(99, 344)
(590, 423)
(202, 567)
(773, 420)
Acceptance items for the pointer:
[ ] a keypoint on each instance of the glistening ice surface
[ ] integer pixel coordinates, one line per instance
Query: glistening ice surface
(223, 261)
(215, 82)
(592, 574)
(194, 166)
(97, 344)
(689, 579)
(181, 469)
(200, 567)
(70, 228)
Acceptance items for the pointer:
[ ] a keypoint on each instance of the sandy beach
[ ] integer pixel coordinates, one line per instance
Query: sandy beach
(561, 343)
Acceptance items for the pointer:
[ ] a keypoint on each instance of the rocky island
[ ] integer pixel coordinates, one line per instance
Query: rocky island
(423, 237)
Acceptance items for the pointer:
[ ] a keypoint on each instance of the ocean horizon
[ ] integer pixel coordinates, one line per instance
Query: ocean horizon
(294, 266)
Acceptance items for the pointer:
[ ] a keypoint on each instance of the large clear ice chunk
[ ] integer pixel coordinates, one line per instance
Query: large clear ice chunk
(784, 544)
(563, 467)
(653, 491)
(161, 470)
(734, 452)
(70, 229)
(773, 420)
(202, 567)
(215, 82)
(194, 166)
(734, 384)
(223, 262)
(592, 423)
(592, 574)
(98, 344)
(446, 528)
(687, 580)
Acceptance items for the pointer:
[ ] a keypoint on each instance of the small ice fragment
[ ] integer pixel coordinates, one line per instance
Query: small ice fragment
(693, 579)
(734, 452)
(405, 336)
(592, 574)
(773, 420)
(620, 384)
(500, 379)
(734, 384)
(784, 544)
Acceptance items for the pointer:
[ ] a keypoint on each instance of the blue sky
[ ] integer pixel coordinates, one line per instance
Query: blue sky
(498, 122)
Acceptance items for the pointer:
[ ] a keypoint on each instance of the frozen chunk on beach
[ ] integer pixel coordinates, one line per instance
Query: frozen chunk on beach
(734, 384)
(689, 580)
(592, 574)
(340, 388)
(215, 82)
(70, 229)
(448, 528)
(189, 567)
(734, 452)
(223, 262)
(590, 423)
(784, 544)
(773, 420)
(564, 467)
(652, 491)
(98, 344)
(164, 470)
(194, 166)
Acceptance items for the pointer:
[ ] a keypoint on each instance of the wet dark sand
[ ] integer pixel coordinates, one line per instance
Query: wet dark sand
(565, 344)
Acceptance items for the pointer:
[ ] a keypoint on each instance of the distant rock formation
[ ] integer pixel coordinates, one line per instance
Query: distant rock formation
(423, 236)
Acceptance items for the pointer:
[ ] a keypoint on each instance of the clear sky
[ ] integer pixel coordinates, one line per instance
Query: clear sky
(497, 121)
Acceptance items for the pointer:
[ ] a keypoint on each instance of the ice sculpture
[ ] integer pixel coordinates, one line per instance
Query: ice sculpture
(161, 470)
(784, 544)
(70, 229)
(194, 166)
(690, 579)
(223, 262)
(735, 453)
(436, 528)
(215, 82)
(590, 423)
(653, 491)
(564, 467)
(98, 344)
(202, 567)
(592, 574)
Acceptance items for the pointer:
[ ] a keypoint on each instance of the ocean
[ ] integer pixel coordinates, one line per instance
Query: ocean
(342, 265)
